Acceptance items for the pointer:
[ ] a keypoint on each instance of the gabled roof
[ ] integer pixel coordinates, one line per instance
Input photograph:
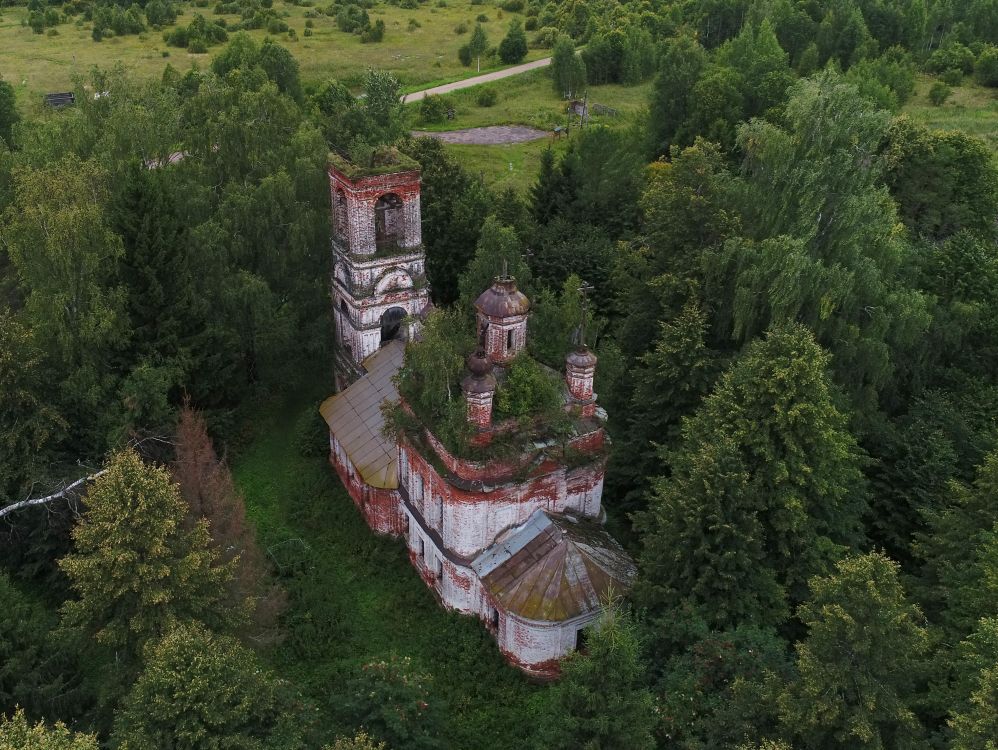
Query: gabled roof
(355, 419)
(554, 568)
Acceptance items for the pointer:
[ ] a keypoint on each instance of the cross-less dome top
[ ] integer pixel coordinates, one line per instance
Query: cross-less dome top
(581, 357)
(479, 363)
(503, 299)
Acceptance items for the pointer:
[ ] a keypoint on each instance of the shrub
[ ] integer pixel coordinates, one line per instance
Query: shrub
(486, 97)
(482, 18)
(545, 38)
(939, 93)
(432, 109)
(311, 434)
(309, 23)
(197, 46)
(373, 33)
(409, 4)
(512, 6)
(414, 24)
(952, 77)
(953, 55)
(461, 28)
(531, 24)
(513, 47)
(464, 55)
(308, 32)
(986, 68)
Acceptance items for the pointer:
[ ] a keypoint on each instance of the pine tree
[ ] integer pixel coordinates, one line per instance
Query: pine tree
(601, 702)
(134, 567)
(858, 663)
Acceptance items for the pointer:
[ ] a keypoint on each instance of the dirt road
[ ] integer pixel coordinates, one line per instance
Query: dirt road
(476, 80)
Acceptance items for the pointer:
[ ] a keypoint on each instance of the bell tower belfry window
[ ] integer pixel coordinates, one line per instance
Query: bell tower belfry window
(379, 287)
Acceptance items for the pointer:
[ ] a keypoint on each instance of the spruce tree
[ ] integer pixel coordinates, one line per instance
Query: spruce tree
(601, 702)
(858, 663)
(134, 567)
(200, 690)
(513, 47)
(764, 490)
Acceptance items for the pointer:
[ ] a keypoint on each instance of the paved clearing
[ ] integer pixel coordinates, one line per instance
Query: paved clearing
(474, 81)
(490, 135)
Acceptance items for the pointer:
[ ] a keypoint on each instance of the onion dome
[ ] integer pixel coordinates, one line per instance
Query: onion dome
(479, 363)
(481, 379)
(581, 358)
(503, 299)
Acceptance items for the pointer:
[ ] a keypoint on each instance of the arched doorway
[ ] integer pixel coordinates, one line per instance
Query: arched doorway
(391, 324)
(388, 221)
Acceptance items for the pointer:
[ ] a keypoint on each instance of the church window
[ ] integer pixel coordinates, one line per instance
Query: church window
(581, 636)
(422, 549)
(388, 221)
(440, 567)
(495, 618)
(509, 340)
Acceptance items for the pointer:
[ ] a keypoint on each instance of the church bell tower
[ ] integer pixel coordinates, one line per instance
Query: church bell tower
(379, 265)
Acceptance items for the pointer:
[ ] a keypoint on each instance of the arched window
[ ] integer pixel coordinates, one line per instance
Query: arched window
(389, 221)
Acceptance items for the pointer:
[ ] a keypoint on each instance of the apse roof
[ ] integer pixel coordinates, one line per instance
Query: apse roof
(355, 419)
(554, 568)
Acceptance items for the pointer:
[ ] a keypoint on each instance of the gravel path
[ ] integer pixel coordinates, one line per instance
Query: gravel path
(484, 78)
(488, 136)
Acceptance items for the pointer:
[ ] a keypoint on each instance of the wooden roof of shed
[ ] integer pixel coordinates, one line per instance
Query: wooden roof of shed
(554, 568)
(355, 419)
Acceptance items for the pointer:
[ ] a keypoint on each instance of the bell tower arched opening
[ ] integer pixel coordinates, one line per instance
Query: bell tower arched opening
(389, 221)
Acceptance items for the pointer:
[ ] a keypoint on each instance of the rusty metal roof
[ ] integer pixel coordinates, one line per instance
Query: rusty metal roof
(354, 417)
(503, 299)
(554, 568)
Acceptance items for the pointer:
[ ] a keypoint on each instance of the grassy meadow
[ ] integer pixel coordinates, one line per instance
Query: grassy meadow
(971, 108)
(420, 55)
(354, 597)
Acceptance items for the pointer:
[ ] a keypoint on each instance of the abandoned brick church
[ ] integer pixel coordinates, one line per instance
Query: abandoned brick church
(518, 541)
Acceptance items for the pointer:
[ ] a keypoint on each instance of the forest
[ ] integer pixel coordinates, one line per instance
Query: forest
(794, 303)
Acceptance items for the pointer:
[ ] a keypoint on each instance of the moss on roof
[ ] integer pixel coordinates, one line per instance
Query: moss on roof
(387, 160)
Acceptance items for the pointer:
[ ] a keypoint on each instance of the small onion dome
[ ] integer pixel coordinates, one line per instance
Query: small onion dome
(473, 384)
(503, 299)
(581, 358)
(479, 363)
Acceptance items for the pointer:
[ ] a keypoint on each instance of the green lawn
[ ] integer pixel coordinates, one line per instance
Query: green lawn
(511, 165)
(355, 598)
(527, 99)
(971, 108)
(38, 63)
